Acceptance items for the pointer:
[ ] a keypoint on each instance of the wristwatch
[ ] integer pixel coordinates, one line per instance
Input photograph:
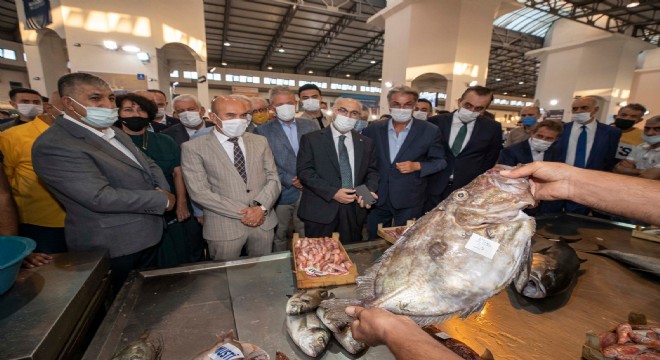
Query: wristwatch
(256, 203)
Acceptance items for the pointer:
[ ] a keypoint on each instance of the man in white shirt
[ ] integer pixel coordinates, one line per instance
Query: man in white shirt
(644, 160)
(190, 113)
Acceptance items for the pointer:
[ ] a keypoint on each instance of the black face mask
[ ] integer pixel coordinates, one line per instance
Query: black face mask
(134, 123)
(624, 124)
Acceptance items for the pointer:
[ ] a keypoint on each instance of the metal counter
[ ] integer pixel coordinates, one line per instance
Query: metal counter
(48, 312)
(190, 306)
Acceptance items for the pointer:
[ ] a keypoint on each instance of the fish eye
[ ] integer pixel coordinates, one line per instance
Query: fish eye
(461, 195)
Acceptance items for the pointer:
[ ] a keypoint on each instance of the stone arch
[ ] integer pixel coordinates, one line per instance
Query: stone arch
(54, 58)
(433, 83)
(181, 57)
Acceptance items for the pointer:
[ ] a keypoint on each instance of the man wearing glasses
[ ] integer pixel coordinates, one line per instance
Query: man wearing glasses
(332, 162)
(472, 142)
(409, 152)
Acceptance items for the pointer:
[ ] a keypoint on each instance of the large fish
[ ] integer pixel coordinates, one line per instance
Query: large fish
(145, 348)
(553, 270)
(306, 300)
(453, 259)
(308, 333)
(638, 262)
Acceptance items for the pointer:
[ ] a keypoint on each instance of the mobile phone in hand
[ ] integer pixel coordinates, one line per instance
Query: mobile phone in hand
(363, 191)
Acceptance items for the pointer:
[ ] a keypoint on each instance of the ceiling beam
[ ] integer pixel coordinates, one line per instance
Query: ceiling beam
(362, 51)
(272, 47)
(225, 29)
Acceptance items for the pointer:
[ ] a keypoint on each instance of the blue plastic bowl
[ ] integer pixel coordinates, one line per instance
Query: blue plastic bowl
(13, 249)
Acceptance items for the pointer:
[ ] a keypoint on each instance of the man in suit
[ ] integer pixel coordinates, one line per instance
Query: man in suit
(311, 99)
(332, 162)
(472, 143)
(232, 175)
(409, 152)
(114, 195)
(537, 148)
(284, 140)
(162, 121)
(189, 111)
(587, 144)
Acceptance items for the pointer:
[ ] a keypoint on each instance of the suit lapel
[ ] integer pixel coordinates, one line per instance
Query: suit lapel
(330, 144)
(385, 139)
(250, 164)
(412, 134)
(358, 144)
(104, 145)
(596, 145)
(141, 157)
(565, 137)
(279, 132)
(527, 150)
(478, 123)
(222, 155)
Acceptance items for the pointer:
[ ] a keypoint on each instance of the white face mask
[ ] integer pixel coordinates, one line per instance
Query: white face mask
(401, 115)
(344, 123)
(161, 112)
(285, 112)
(580, 118)
(361, 125)
(467, 116)
(539, 145)
(420, 115)
(234, 127)
(30, 110)
(311, 105)
(190, 119)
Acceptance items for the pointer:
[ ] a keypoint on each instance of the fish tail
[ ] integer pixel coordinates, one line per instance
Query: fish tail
(335, 309)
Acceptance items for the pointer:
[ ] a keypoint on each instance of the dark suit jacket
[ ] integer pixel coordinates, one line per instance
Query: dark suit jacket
(603, 151)
(178, 133)
(318, 170)
(169, 121)
(521, 153)
(423, 144)
(478, 155)
(285, 158)
(110, 201)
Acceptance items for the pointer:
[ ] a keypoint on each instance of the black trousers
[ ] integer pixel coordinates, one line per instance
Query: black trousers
(389, 216)
(50, 240)
(345, 222)
(121, 266)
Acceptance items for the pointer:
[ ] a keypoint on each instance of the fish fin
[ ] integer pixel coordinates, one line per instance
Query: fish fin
(474, 309)
(581, 260)
(335, 309)
(521, 278)
(487, 355)
(597, 251)
(428, 320)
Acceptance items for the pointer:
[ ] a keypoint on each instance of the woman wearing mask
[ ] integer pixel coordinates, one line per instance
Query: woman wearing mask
(135, 114)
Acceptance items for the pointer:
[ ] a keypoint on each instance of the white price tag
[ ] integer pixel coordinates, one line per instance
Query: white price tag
(482, 246)
(227, 352)
(443, 335)
(311, 271)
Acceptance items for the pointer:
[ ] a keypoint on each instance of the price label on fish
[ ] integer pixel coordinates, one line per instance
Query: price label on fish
(482, 246)
(227, 352)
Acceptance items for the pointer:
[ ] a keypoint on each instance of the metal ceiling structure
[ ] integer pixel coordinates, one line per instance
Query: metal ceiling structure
(9, 21)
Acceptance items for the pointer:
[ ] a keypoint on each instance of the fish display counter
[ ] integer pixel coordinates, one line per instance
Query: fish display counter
(185, 309)
(49, 312)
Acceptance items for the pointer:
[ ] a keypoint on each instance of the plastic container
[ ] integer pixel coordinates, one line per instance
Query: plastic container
(13, 249)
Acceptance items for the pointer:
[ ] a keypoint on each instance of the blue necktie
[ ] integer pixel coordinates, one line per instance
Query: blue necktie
(581, 149)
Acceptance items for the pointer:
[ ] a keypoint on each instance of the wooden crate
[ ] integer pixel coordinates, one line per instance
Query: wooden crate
(304, 281)
(382, 232)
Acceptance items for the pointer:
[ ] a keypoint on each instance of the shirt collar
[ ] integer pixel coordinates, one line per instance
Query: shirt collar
(106, 134)
(285, 124)
(222, 137)
(390, 125)
(590, 126)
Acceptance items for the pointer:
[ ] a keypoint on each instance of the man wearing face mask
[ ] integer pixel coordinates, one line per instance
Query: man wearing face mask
(40, 215)
(113, 194)
(232, 175)
(644, 160)
(631, 136)
(162, 121)
(363, 122)
(260, 111)
(472, 143)
(310, 97)
(284, 140)
(189, 111)
(28, 103)
(423, 110)
(332, 162)
(536, 148)
(409, 153)
(529, 115)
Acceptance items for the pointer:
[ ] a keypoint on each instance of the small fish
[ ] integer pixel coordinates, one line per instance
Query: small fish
(308, 333)
(142, 349)
(346, 340)
(334, 326)
(280, 356)
(638, 262)
(553, 271)
(227, 347)
(306, 300)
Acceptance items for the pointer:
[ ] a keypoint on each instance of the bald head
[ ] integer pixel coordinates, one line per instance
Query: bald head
(230, 107)
(530, 111)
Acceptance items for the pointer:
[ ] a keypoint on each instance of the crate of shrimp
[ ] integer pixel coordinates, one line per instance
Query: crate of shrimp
(322, 262)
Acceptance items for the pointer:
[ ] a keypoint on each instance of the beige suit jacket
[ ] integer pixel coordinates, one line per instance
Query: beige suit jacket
(215, 184)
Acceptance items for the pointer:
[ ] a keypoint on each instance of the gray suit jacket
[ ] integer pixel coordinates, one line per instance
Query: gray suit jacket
(110, 200)
(285, 157)
(214, 183)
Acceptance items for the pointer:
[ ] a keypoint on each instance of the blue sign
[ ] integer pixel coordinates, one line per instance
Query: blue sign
(141, 76)
(37, 14)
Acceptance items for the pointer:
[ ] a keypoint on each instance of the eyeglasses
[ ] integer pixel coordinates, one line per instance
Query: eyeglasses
(344, 111)
(471, 107)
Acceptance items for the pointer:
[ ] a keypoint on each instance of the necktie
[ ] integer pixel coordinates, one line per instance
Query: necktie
(344, 165)
(581, 149)
(460, 138)
(239, 159)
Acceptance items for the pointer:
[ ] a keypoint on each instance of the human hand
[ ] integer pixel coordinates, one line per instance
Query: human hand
(548, 180)
(408, 167)
(171, 199)
(200, 220)
(254, 216)
(345, 196)
(36, 259)
(182, 212)
(628, 164)
(296, 183)
(373, 326)
(361, 202)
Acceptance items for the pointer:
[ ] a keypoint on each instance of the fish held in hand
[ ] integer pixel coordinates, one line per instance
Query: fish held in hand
(227, 347)
(308, 333)
(346, 340)
(553, 271)
(146, 348)
(334, 326)
(453, 259)
(306, 300)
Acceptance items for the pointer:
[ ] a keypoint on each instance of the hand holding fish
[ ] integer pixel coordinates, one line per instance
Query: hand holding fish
(548, 180)
(345, 196)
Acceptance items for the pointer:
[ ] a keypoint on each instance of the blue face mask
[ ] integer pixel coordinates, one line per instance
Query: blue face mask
(528, 121)
(361, 125)
(652, 140)
(97, 117)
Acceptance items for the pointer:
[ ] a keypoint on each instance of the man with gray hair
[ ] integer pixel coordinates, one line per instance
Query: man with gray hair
(284, 138)
(260, 111)
(190, 113)
(114, 195)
